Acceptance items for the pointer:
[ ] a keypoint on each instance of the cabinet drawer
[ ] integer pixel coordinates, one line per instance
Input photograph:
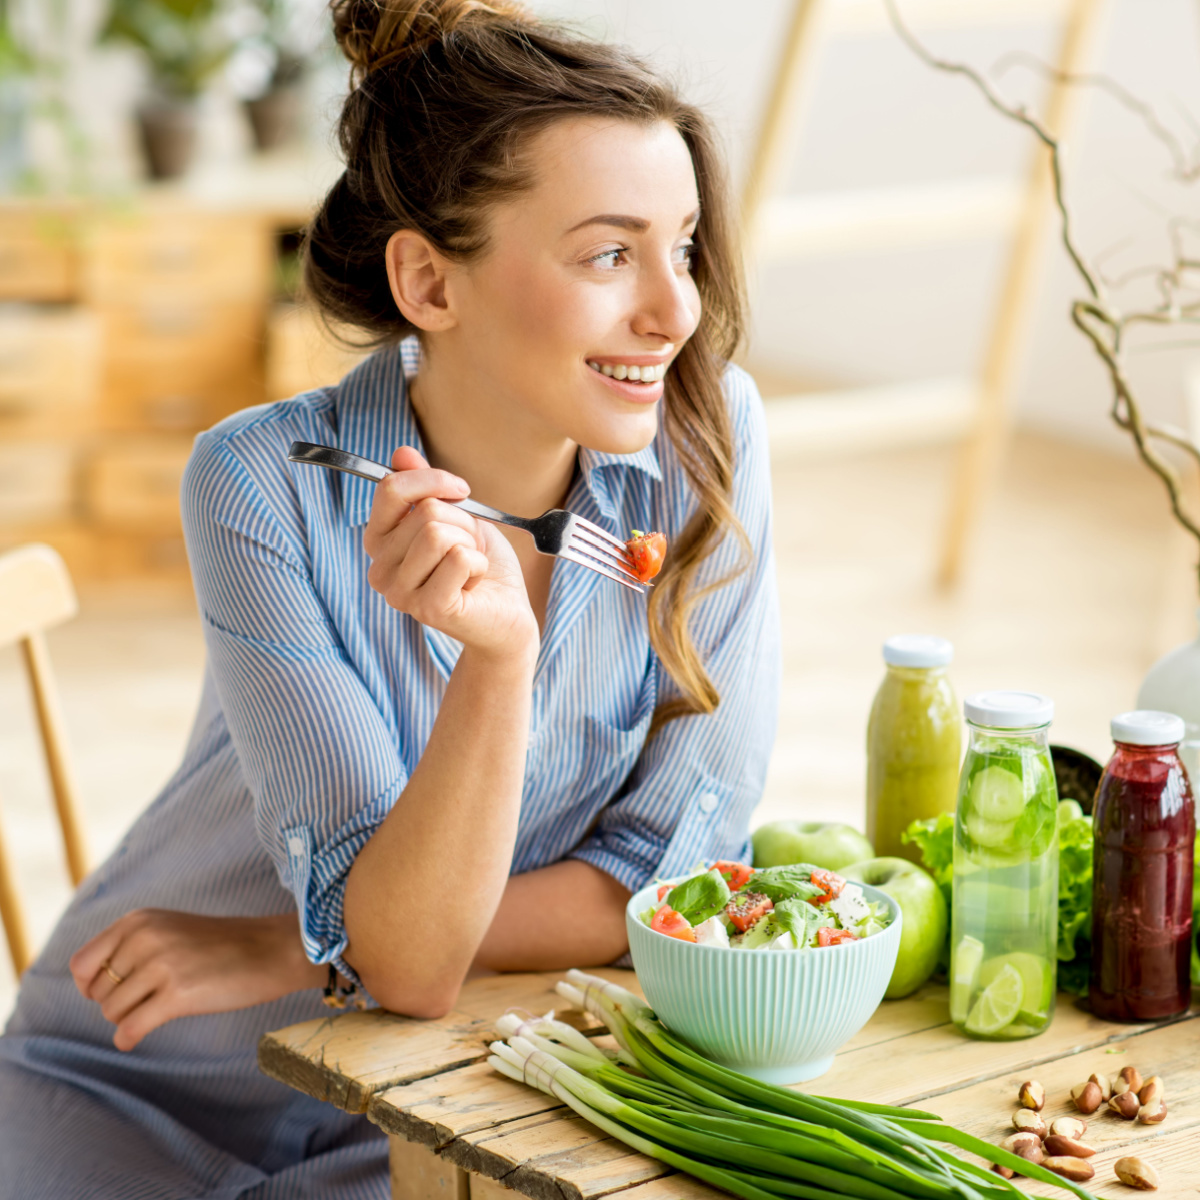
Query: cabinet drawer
(188, 256)
(137, 486)
(175, 398)
(39, 255)
(49, 370)
(37, 481)
(303, 354)
(163, 329)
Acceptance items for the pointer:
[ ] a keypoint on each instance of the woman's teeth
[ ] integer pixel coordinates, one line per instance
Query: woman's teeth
(634, 373)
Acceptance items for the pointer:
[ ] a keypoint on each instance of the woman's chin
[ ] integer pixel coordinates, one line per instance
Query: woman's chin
(629, 438)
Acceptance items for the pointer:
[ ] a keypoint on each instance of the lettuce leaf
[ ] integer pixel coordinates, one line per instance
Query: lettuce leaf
(700, 897)
(785, 883)
(935, 840)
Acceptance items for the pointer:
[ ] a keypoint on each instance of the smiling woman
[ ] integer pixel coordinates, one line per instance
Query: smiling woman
(423, 748)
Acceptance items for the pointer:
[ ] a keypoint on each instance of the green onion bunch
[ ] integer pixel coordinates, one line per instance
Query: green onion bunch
(756, 1140)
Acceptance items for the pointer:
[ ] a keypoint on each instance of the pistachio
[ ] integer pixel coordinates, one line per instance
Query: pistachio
(1125, 1105)
(1151, 1090)
(1130, 1079)
(1104, 1084)
(1136, 1174)
(1025, 1120)
(1032, 1095)
(1071, 1127)
(1056, 1144)
(1076, 1169)
(1018, 1143)
(1003, 1171)
(1153, 1114)
(1087, 1097)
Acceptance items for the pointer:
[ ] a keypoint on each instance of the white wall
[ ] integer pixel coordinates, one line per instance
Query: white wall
(879, 116)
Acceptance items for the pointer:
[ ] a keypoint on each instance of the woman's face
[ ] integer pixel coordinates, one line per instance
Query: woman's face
(585, 284)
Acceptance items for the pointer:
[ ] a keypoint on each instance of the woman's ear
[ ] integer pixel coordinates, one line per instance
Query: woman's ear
(417, 277)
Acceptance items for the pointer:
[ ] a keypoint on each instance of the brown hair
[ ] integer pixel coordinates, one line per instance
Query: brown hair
(444, 93)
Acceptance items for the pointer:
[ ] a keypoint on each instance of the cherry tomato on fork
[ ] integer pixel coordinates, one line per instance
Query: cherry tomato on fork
(647, 551)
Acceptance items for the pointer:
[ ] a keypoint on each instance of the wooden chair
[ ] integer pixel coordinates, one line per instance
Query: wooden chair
(35, 595)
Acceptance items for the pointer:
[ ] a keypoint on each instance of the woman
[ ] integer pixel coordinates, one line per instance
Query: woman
(423, 748)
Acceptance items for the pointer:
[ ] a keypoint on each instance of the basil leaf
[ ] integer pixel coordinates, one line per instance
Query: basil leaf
(700, 897)
(785, 883)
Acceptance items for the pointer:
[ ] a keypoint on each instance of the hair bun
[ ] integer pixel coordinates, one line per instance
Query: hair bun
(376, 33)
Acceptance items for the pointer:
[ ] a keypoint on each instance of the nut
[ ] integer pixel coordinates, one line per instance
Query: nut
(1087, 1097)
(1056, 1144)
(1129, 1079)
(1125, 1105)
(1025, 1120)
(1136, 1174)
(1003, 1171)
(1104, 1084)
(1151, 1090)
(1071, 1127)
(1153, 1114)
(1077, 1169)
(1033, 1154)
(1032, 1095)
(1020, 1143)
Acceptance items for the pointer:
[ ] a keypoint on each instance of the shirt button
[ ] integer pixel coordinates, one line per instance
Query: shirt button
(708, 802)
(296, 847)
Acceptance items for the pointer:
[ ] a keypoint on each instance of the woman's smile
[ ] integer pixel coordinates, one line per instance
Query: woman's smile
(636, 377)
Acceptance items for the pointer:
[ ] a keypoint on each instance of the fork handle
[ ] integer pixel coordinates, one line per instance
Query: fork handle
(365, 468)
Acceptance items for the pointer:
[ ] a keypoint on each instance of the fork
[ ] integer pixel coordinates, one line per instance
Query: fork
(556, 532)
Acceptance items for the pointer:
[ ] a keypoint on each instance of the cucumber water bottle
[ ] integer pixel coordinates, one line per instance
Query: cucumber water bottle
(1004, 934)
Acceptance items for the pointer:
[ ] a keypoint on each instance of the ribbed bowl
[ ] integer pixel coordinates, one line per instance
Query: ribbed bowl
(776, 1015)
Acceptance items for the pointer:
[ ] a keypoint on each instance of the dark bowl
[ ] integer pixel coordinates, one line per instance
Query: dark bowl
(1077, 776)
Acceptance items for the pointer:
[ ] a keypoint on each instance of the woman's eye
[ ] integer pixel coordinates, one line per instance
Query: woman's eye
(685, 254)
(609, 258)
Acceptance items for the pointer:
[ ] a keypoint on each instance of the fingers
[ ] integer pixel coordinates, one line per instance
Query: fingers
(88, 962)
(409, 485)
(157, 1009)
(124, 997)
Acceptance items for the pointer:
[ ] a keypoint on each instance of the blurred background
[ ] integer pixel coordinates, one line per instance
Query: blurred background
(943, 459)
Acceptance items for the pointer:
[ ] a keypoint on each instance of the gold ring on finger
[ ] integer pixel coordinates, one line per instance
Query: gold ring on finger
(107, 967)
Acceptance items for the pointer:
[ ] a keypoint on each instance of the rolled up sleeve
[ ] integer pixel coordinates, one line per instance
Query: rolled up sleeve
(320, 758)
(696, 783)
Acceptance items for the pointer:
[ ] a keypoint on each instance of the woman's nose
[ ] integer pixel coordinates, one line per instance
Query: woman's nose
(668, 306)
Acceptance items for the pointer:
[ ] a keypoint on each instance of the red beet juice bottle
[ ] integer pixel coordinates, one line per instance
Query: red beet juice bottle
(1145, 829)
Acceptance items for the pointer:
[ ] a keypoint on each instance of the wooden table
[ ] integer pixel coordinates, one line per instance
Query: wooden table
(459, 1131)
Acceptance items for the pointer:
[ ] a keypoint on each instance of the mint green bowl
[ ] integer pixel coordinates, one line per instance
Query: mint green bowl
(776, 1015)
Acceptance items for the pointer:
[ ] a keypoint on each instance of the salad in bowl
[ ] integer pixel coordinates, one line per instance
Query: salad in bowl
(798, 907)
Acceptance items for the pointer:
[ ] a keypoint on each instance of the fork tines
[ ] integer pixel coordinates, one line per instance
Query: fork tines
(573, 553)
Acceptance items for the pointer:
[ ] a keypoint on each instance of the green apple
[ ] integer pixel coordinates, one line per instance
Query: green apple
(925, 918)
(831, 846)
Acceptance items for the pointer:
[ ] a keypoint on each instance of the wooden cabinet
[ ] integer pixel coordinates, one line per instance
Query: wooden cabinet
(39, 253)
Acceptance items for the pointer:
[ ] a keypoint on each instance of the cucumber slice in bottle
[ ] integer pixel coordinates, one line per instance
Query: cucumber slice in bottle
(1036, 977)
(998, 1003)
(964, 974)
(996, 795)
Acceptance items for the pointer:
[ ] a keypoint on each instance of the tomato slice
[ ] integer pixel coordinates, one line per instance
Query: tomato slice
(673, 924)
(835, 937)
(664, 890)
(830, 884)
(736, 874)
(647, 551)
(746, 908)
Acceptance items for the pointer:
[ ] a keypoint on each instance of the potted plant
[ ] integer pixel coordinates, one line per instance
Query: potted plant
(185, 44)
(16, 65)
(287, 39)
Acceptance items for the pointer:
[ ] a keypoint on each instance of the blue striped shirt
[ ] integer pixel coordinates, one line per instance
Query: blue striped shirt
(319, 700)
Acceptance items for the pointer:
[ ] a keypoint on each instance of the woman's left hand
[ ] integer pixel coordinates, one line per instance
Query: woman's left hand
(154, 965)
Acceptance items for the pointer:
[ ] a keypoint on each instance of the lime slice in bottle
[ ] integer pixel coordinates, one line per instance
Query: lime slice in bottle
(996, 795)
(964, 973)
(998, 1003)
(1037, 979)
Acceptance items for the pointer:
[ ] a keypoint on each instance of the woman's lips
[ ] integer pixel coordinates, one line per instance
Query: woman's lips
(639, 393)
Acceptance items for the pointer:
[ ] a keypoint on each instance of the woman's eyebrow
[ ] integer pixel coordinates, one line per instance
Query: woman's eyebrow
(633, 224)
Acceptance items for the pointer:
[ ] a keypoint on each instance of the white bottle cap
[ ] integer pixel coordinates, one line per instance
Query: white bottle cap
(917, 650)
(1009, 710)
(1145, 727)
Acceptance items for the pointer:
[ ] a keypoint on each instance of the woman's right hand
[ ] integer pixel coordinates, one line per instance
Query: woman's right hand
(440, 565)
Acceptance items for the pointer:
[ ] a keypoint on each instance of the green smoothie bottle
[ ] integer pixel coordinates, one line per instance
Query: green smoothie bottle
(913, 742)
(1004, 916)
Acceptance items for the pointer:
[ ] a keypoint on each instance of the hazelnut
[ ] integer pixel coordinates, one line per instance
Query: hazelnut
(1056, 1144)
(1153, 1114)
(1025, 1120)
(1130, 1080)
(1032, 1095)
(1125, 1105)
(1104, 1084)
(1087, 1097)
(1151, 1090)
(1136, 1174)
(1003, 1171)
(1071, 1127)
(1075, 1169)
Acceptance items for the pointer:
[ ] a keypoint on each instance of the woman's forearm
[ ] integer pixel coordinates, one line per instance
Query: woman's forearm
(569, 914)
(422, 893)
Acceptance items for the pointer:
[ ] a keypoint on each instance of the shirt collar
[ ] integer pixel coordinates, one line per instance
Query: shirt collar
(375, 417)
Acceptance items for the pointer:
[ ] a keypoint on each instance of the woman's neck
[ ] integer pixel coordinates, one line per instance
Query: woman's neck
(470, 430)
